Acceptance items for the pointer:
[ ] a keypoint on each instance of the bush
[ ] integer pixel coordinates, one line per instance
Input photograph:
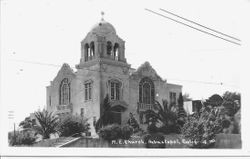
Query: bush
(115, 131)
(170, 129)
(201, 128)
(237, 123)
(22, 138)
(126, 131)
(110, 132)
(73, 125)
(158, 138)
(152, 128)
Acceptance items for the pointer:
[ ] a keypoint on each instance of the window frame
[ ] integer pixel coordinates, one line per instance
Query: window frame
(64, 92)
(172, 97)
(88, 90)
(115, 89)
(151, 95)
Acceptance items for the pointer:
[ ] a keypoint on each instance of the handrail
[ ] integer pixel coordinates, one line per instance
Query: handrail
(144, 107)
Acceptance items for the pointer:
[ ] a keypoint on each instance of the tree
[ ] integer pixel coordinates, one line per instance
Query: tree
(22, 138)
(232, 102)
(27, 123)
(105, 117)
(48, 123)
(215, 100)
(181, 111)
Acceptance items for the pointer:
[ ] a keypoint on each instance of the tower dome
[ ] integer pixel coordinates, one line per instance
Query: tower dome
(103, 27)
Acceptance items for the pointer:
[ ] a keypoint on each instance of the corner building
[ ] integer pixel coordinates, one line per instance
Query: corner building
(103, 70)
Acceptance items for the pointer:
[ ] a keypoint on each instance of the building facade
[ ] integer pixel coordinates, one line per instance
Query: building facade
(103, 70)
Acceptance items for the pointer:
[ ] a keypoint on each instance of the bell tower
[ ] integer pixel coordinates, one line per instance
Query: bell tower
(102, 43)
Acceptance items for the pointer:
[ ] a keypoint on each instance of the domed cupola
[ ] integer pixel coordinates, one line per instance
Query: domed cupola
(102, 42)
(103, 28)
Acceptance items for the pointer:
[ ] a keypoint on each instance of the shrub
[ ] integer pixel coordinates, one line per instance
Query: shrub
(170, 129)
(152, 128)
(237, 123)
(73, 125)
(115, 131)
(22, 138)
(225, 123)
(132, 122)
(110, 132)
(201, 128)
(158, 138)
(126, 131)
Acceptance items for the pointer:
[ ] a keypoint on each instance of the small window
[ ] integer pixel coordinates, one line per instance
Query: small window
(49, 100)
(82, 112)
(88, 91)
(172, 98)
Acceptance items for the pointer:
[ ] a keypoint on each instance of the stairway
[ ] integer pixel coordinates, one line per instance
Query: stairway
(61, 141)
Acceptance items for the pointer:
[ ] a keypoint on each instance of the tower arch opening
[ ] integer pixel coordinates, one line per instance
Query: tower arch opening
(109, 48)
(116, 52)
(86, 51)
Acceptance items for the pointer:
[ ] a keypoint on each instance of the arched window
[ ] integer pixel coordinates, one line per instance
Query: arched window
(87, 52)
(109, 48)
(116, 51)
(146, 91)
(92, 50)
(64, 92)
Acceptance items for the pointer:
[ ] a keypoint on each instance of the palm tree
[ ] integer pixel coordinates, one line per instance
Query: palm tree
(164, 115)
(48, 123)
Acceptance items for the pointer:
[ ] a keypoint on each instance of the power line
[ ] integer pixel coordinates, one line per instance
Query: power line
(34, 62)
(191, 81)
(192, 27)
(199, 24)
(204, 82)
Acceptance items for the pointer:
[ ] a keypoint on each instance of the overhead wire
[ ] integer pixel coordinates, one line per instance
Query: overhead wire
(119, 74)
(191, 21)
(236, 43)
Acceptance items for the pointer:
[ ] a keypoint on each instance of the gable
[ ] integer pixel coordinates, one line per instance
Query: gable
(146, 70)
(64, 72)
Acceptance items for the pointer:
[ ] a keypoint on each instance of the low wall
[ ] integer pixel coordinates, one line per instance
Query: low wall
(223, 141)
(228, 141)
(87, 142)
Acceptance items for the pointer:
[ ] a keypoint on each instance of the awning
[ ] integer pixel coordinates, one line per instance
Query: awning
(118, 106)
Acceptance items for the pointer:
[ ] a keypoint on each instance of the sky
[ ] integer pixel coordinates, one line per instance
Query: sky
(50, 31)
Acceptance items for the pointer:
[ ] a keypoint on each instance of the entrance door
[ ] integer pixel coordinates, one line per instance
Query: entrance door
(116, 117)
(116, 114)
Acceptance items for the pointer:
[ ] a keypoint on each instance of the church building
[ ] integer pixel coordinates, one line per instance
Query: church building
(103, 70)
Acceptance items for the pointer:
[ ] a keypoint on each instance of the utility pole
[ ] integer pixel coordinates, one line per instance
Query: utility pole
(11, 116)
